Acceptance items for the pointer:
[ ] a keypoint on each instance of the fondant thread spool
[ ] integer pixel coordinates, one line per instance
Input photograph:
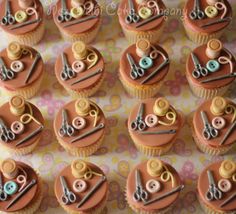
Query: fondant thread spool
(161, 106)
(218, 106)
(214, 47)
(24, 4)
(17, 105)
(79, 50)
(14, 51)
(154, 167)
(82, 107)
(77, 3)
(9, 168)
(78, 168)
(140, 1)
(143, 47)
(227, 169)
(212, 2)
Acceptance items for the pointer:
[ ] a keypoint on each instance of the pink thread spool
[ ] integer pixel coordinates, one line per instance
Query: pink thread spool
(77, 3)
(24, 4)
(212, 2)
(214, 47)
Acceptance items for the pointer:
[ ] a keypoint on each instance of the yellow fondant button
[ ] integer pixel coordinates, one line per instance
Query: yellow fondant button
(211, 11)
(77, 12)
(20, 16)
(145, 12)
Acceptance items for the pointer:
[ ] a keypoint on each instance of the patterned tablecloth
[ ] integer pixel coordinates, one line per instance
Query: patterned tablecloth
(118, 155)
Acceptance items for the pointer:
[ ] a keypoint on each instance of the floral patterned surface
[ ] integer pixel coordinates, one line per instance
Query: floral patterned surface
(118, 155)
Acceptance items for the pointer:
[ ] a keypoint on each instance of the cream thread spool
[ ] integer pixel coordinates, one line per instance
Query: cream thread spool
(77, 3)
(24, 4)
(79, 50)
(227, 169)
(214, 47)
(17, 105)
(78, 168)
(14, 51)
(82, 107)
(161, 106)
(154, 167)
(218, 106)
(9, 168)
(143, 47)
(212, 2)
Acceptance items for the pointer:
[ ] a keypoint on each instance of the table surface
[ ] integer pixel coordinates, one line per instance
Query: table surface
(118, 155)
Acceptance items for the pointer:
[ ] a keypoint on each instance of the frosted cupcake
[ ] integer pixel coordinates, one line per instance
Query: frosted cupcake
(207, 23)
(80, 127)
(21, 126)
(142, 19)
(21, 70)
(22, 188)
(218, 136)
(80, 70)
(210, 70)
(157, 190)
(219, 197)
(154, 125)
(80, 20)
(86, 188)
(24, 22)
(143, 68)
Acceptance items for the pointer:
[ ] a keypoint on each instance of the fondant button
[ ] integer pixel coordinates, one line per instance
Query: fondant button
(79, 185)
(151, 120)
(153, 186)
(17, 66)
(213, 65)
(10, 187)
(78, 66)
(145, 12)
(218, 122)
(20, 16)
(77, 12)
(17, 127)
(224, 185)
(211, 11)
(78, 123)
(146, 62)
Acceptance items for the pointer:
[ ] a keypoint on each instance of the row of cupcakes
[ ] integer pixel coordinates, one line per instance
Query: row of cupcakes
(152, 187)
(153, 125)
(24, 20)
(80, 69)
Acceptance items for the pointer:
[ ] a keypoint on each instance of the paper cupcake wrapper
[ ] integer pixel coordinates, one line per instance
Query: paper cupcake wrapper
(153, 35)
(28, 91)
(206, 93)
(31, 38)
(86, 37)
(141, 92)
(201, 38)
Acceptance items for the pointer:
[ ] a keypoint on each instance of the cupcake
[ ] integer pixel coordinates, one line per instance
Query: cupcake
(81, 188)
(154, 125)
(143, 68)
(21, 125)
(213, 126)
(21, 70)
(207, 23)
(80, 70)
(24, 22)
(216, 188)
(80, 20)
(21, 190)
(80, 127)
(153, 187)
(213, 71)
(141, 19)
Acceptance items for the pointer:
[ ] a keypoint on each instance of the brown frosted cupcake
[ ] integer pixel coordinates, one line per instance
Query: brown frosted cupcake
(143, 68)
(83, 130)
(83, 73)
(21, 126)
(146, 22)
(214, 71)
(219, 135)
(218, 198)
(158, 188)
(22, 188)
(86, 188)
(210, 22)
(25, 23)
(156, 128)
(22, 70)
(80, 21)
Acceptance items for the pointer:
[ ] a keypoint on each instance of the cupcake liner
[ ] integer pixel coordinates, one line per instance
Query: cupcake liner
(86, 37)
(141, 92)
(153, 35)
(28, 91)
(31, 38)
(206, 93)
(201, 38)
(96, 210)
(81, 152)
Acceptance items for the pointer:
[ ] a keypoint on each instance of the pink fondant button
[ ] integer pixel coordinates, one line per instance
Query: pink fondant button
(153, 186)
(151, 120)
